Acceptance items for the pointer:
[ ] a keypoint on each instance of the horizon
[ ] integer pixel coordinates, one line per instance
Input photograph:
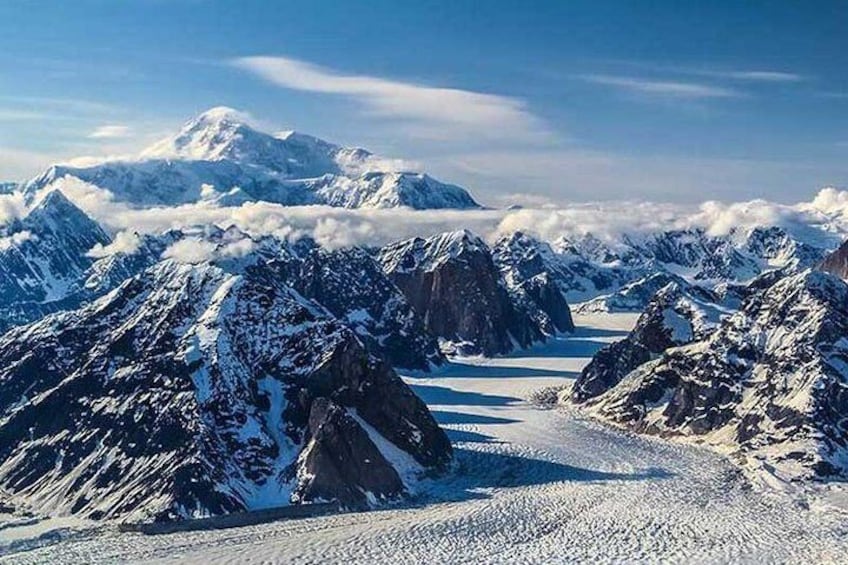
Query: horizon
(686, 104)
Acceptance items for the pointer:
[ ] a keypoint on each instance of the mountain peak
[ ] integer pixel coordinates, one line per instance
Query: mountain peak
(221, 113)
(54, 204)
(213, 135)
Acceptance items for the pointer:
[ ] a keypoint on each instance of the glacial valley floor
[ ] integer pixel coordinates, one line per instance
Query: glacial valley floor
(531, 486)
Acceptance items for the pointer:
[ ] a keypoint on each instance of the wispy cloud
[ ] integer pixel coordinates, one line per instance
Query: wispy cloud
(432, 111)
(759, 76)
(663, 88)
(110, 132)
(15, 115)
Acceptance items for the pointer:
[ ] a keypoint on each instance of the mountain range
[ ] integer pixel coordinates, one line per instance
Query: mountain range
(208, 369)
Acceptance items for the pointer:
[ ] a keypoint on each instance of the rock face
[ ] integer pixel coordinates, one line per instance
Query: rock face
(43, 258)
(525, 267)
(836, 263)
(188, 391)
(453, 283)
(677, 314)
(352, 286)
(341, 461)
(218, 157)
(769, 384)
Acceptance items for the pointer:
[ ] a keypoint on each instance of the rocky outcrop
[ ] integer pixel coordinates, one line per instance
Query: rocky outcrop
(770, 384)
(341, 462)
(676, 315)
(352, 286)
(836, 263)
(532, 284)
(187, 391)
(453, 283)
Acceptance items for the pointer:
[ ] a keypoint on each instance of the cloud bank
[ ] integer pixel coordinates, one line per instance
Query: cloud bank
(823, 219)
(664, 88)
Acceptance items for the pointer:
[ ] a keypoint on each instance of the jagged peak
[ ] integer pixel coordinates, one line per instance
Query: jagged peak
(55, 206)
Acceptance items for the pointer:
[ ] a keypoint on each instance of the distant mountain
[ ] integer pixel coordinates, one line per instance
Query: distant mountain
(201, 389)
(769, 384)
(635, 296)
(218, 157)
(587, 268)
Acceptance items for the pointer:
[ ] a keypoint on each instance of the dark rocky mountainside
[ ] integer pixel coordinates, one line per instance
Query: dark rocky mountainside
(352, 286)
(836, 263)
(770, 383)
(196, 389)
(453, 282)
(677, 314)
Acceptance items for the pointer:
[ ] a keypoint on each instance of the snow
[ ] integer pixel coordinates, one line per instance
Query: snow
(530, 486)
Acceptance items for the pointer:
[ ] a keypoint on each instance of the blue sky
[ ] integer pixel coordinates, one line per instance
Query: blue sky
(520, 101)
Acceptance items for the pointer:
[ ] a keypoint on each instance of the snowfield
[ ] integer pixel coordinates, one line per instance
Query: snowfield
(531, 485)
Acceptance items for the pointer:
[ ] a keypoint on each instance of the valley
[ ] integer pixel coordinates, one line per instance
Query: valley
(530, 485)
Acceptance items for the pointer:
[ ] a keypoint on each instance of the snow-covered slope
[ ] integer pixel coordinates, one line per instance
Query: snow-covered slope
(770, 384)
(43, 257)
(586, 268)
(676, 314)
(219, 157)
(353, 287)
(197, 389)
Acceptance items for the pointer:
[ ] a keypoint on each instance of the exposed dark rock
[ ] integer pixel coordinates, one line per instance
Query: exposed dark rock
(341, 462)
(453, 283)
(352, 286)
(769, 382)
(675, 316)
(187, 392)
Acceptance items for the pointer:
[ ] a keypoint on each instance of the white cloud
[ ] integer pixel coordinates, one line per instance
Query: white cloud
(12, 206)
(663, 88)
(432, 111)
(123, 242)
(190, 250)
(110, 132)
(825, 217)
(762, 76)
(15, 239)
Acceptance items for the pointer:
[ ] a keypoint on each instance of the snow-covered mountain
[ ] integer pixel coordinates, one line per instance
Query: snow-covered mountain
(588, 268)
(452, 280)
(207, 388)
(768, 385)
(675, 315)
(351, 285)
(219, 157)
(43, 256)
